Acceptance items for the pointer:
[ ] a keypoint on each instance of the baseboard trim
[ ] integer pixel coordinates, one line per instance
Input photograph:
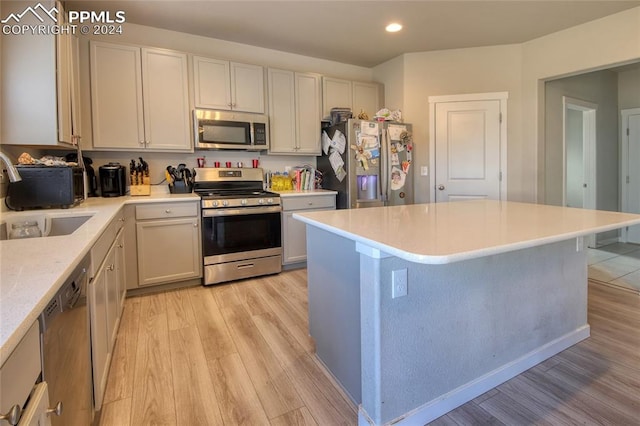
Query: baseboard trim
(457, 397)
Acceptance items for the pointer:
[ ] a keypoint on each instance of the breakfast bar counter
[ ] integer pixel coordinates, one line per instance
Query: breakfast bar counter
(418, 309)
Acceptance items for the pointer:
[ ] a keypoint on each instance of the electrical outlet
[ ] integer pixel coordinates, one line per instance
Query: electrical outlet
(399, 280)
(424, 171)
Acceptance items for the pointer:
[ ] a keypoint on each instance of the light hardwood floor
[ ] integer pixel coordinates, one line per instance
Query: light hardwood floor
(239, 354)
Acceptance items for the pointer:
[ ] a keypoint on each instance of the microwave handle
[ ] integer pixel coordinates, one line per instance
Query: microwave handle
(252, 131)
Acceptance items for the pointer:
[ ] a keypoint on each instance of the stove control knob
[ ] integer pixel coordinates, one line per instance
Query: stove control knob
(261, 201)
(243, 202)
(270, 200)
(225, 203)
(215, 203)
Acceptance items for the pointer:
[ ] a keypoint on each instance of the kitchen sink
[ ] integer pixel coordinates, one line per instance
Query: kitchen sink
(52, 225)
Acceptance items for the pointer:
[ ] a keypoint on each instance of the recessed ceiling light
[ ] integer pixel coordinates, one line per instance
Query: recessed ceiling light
(394, 27)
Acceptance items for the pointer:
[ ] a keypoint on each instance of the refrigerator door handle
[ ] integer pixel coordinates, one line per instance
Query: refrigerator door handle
(384, 166)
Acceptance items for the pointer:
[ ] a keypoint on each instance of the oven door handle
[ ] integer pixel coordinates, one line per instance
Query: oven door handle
(240, 211)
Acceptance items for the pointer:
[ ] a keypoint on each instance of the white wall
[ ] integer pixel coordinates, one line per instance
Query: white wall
(519, 69)
(629, 88)
(596, 45)
(448, 72)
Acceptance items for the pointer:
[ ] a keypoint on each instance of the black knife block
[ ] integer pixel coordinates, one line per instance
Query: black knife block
(180, 187)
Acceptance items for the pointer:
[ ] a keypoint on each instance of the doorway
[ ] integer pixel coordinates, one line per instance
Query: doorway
(579, 141)
(630, 172)
(468, 154)
(579, 124)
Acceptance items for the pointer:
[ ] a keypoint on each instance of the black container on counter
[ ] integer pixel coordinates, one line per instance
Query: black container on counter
(113, 180)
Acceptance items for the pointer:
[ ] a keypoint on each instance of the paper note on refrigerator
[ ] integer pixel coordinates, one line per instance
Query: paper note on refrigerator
(326, 143)
(369, 142)
(337, 164)
(336, 161)
(395, 131)
(369, 128)
(339, 141)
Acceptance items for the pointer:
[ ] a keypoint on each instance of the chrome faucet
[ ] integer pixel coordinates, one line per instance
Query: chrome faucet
(14, 176)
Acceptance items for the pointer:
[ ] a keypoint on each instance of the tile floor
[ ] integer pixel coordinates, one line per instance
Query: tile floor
(616, 265)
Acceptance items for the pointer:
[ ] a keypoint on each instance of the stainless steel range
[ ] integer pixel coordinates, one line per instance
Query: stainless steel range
(241, 224)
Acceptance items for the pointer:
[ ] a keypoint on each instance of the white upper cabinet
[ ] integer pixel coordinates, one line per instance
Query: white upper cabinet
(228, 85)
(294, 112)
(307, 113)
(359, 96)
(39, 83)
(367, 98)
(139, 98)
(166, 100)
(336, 93)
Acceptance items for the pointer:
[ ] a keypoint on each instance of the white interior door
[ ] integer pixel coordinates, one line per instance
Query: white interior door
(630, 170)
(468, 150)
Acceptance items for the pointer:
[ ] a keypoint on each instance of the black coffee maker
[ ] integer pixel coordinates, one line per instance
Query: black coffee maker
(92, 179)
(113, 181)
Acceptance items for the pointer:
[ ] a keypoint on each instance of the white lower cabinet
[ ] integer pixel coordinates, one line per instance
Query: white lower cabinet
(294, 235)
(106, 293)
(18, 374)
(168, 238)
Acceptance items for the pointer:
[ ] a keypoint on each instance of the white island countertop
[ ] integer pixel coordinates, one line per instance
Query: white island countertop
(450, 232)
(33, 269)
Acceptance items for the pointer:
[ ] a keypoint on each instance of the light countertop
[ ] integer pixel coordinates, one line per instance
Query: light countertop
(32, 270)
(449, 232)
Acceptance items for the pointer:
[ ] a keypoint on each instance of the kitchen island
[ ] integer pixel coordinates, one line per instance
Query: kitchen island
(418, 309)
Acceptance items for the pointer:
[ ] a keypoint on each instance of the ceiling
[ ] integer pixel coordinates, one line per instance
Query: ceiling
(353, 31)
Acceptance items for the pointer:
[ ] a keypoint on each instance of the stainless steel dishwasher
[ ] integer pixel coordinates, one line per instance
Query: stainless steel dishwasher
(66, 351)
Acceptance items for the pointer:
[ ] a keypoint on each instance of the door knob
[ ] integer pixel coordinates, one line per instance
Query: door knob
(441, 187)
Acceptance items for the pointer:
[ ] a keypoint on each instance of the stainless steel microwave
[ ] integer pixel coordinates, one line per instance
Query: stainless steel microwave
(230, 130)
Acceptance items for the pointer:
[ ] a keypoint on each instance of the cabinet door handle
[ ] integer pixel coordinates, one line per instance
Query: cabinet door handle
(57, 410)
(168, 211)
(13, 415)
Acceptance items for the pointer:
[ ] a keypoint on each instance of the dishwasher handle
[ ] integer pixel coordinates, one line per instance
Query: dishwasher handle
(72, 295)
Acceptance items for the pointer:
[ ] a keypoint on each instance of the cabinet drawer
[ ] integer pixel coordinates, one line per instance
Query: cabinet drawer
(166, 210)
(309, 202)
(20, 371)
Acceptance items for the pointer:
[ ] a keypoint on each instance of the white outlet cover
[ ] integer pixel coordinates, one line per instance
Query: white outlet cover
(399, 283)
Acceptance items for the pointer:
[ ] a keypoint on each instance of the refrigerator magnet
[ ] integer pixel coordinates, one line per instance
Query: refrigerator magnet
(405, 166)
(395, 160)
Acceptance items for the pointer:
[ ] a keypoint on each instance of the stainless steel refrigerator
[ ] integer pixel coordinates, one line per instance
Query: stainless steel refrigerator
(369, 163)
